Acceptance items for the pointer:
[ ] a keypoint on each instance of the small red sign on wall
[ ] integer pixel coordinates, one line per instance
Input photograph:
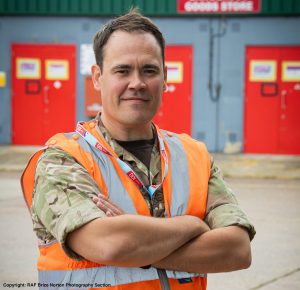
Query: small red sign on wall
(218, 6)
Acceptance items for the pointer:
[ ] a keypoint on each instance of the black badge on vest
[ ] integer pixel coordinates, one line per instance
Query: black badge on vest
(185, 280)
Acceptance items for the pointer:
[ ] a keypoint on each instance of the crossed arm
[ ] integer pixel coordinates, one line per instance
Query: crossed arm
(183, 243)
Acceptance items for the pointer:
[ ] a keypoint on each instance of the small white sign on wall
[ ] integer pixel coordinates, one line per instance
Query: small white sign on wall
(291, 71)
(174, 71)
(28, 68)
(263, 70)
(87, 58)
(57, 69)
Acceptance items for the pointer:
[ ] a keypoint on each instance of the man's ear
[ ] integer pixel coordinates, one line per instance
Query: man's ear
(96, 77)
(165, 77)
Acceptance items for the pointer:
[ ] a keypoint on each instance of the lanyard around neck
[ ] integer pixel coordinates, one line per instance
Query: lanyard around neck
(125, 167)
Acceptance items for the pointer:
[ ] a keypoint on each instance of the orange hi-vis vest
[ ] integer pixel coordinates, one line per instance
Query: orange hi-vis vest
(185, 193)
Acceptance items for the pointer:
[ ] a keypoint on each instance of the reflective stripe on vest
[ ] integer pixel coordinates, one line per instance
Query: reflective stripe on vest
(108, 275)
(179, 169)
(187, 197)
(116, 190)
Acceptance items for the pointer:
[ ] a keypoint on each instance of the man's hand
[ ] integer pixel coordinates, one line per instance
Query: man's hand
(106, 205)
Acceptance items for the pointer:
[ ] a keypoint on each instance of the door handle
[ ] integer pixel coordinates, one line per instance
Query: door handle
(46, 95)
(283, 99)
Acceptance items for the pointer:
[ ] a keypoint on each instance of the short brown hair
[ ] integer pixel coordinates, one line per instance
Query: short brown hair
(130, 22)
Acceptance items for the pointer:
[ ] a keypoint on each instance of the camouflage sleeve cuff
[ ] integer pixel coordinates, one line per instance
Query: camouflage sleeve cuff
(229, 215)
(79, 218)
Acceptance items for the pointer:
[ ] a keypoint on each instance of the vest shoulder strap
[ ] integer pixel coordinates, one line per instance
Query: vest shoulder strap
(27, 178)
(70, 146)
(199, 173)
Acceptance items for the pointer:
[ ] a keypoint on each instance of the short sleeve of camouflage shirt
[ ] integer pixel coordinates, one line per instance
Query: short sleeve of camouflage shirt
(222, 207)
(62, 198)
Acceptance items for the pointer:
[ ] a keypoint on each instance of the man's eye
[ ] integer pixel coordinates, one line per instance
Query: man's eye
(150, 71)
(122, 71)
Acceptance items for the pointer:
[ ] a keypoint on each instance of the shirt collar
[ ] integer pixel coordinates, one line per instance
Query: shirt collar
(118, 149)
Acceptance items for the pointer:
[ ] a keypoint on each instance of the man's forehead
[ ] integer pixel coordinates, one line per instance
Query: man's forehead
(121, 48)
(124, 33)
(121, 39)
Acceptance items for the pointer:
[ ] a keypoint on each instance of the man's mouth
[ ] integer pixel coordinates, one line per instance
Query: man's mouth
(138, 99)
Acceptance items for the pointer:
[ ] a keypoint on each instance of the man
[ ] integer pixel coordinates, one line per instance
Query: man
(162, 216)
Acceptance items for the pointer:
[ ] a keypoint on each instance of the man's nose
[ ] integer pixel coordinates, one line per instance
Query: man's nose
(136, 82)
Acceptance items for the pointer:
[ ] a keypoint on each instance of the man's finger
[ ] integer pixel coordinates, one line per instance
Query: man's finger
(95, 199)
(110, 205)
(100, 195)
(105, 204)
(100, 204)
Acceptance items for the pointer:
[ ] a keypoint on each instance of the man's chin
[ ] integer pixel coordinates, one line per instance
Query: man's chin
(137, 119)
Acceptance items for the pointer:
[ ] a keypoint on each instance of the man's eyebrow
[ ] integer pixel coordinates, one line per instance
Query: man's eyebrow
(128, 67)
(121, 66)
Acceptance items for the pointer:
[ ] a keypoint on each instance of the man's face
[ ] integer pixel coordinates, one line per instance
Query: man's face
(132, 78)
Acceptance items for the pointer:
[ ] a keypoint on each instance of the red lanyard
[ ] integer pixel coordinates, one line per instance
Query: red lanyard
(125, 167)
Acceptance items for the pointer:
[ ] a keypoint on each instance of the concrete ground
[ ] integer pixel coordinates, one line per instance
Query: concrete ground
(14, 158)
(18, 243)
(274, 208)
(268, 188)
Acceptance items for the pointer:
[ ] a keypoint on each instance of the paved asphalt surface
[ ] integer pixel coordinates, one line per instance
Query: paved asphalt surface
(273, 205)
(267, 187)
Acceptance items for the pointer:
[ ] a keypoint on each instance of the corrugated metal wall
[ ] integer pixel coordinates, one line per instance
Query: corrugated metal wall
(85, 7)
(116, 7)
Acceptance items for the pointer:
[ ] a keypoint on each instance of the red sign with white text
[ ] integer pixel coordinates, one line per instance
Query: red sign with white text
(218, 6)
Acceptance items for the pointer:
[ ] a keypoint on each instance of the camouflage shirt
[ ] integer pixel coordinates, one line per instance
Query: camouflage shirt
(63, 190)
